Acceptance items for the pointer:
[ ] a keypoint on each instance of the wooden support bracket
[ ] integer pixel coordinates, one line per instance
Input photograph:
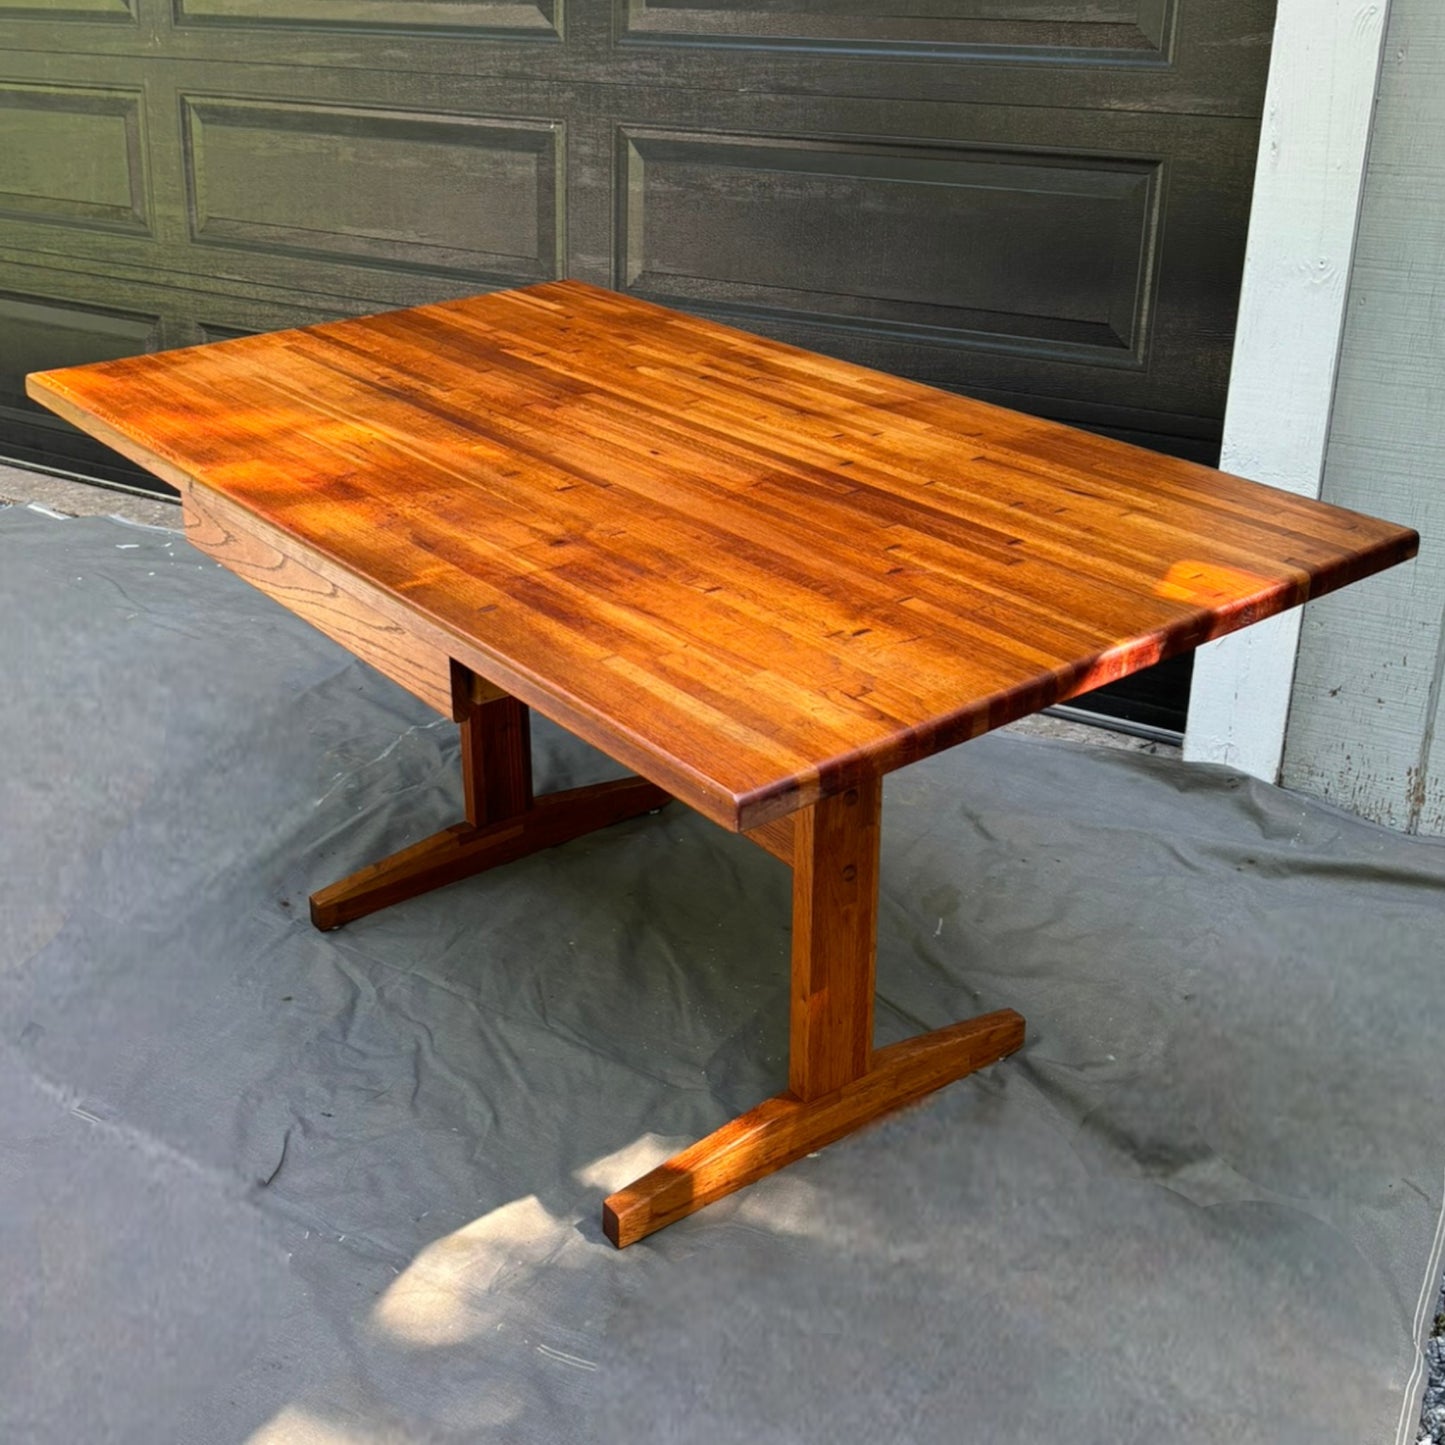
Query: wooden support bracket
(504, 820)
(836, 1080)
(785, 1128)
(464, 849)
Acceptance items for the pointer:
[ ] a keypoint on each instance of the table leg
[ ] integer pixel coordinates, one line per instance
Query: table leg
(504, 820)
(836, 1080)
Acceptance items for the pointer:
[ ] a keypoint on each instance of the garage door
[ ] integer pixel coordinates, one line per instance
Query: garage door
(1041, 202)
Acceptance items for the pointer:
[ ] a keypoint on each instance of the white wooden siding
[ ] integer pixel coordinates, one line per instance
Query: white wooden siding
(1367, 726)
(1308, 180)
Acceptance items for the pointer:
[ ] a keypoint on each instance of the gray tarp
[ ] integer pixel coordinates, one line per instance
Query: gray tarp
(261, 1184)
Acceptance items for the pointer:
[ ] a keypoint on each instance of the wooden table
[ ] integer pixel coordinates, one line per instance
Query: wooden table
(761, 578)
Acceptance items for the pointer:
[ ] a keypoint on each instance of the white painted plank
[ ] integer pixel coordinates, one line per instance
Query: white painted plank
(1366, 723)
(1317, 114)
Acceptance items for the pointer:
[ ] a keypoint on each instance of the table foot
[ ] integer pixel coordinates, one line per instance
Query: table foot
(467, 848)
(785, 1128)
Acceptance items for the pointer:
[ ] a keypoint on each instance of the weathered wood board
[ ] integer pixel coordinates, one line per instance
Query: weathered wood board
(1367, 723)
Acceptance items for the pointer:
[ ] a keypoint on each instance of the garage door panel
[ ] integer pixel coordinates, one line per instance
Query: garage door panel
(38, 331)
(377, 189)
(1064, 257)
(49, 11)
(73, 156)
(1080, 260)
(1205, 57)
(1036, 252)
(67, 333)
(287, 284)
(1068, 258)
(465, 195)
(1133, 30)
(465, 19)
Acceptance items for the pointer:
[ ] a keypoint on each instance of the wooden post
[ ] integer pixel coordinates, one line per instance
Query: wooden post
(835, 930)
(496, 758)
(836, 1079)
(504, 820)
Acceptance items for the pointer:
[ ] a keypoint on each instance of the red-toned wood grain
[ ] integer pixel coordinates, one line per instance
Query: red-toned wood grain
(496, 760)
(783, 1129)
(835, 849)
(757, 576)
(466, 849)
(344, 608)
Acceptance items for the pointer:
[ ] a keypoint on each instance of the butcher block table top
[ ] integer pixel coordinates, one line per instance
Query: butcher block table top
(755, 574)
(761, 578)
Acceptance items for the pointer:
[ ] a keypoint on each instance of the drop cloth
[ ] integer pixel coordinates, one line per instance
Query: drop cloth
(263, 1184)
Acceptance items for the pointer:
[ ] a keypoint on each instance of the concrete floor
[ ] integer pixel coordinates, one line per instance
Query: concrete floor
(81, 499)
(20, 486)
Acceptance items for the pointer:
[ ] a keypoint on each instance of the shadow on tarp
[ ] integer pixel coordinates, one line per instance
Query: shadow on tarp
(262, 1184)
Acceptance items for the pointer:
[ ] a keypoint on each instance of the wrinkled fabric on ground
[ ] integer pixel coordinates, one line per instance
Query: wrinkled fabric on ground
(262, 1184)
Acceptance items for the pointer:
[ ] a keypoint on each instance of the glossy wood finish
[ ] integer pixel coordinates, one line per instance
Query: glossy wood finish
(835, 927)
(785, 1128)
(775, 837)
(496, 760)
(466, 849)
(836, 1080)
(755, 575)
(345, 608)
(503, 819)
(760, 577)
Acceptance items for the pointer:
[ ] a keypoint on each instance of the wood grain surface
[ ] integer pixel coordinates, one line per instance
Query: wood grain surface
(344, 608)
(835, 851)
(756, 575)
(783, 1129)
(466, 849)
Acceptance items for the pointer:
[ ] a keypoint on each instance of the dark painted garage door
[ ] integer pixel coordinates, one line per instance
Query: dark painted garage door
(1041, 202)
